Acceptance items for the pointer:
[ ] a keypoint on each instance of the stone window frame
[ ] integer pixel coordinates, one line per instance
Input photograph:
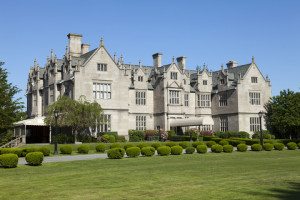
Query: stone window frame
(205, 82)
(223, 99)
(140, 98)
(105, 123)
(204, 100)
(255, 98)
(254, 79)
(140, 122)
(186, 99)
(101, 67)
(174, 97)
(140, 78)
(224, 123)
(102, 90)
(174, 75)
(254, 124)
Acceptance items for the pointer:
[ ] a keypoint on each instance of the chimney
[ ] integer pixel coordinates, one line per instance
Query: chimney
(85, 48)
(157, 59)
(231, 64)
(74, 44)
(181, 62)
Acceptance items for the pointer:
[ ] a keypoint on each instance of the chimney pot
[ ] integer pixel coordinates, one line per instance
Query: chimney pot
(74, 44)
(157, 59)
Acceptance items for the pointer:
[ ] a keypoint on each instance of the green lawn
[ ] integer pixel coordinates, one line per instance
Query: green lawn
(250, 175)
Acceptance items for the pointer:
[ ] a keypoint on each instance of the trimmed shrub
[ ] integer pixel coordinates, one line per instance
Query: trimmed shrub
(279, 146)
(155, 145)
(228, 148)
(128, 145)
(136, 135)
(164, 150)
(34, 158)
(217, 140)
(291, 145)
(266, 135)
(190, 150)
(232, 134)
(223, 142)
(181, 138)
(84, 149)
(16, 151)
(148, 151)
(100, 148)
(108, 138)
(143, 144)
(211, 143)
(121, 138)
(256, 147)
(242, 147)
(176, 150)
(28, 150)
(133, 152)
(9, 160)
(116, 153)
(66, 149)
(217, 148)
(201, 149)
(195, 144)
(235, 142)
(44, 150)
(115, 145)
(184, 145)
(268, 147)
(171, 133)
(150, 134)
(170, 144)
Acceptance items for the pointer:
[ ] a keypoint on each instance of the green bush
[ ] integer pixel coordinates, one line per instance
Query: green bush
(232, 134)
(164, 150)
(121, 138)
(143, 144)
(108, 138)
(27, 150)
(195, 144)
(9, 160)
(136, 135)
(190, 150)
(66, 149)
(34, 158)
(228, 148)
(242, 147)
(116, 153)
(185, 144)
(16, 151)
(217, 148)
(148, 151)
(211, 143)
(100, 148)
(223, 142)
(128, 145)
(44, 150)
(279, 146)
(268, 147)
(217, 140)
(115, 145)
(256, 147)
(176, 150)
(236, 142)
(291, 145)
(171, 133)
(133, 152)
(155, 145)
(266, 135)
(170, 144)
(201, 148)
(84, 149)
(150, 134)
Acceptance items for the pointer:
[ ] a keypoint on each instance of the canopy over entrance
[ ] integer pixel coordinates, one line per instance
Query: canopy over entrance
(37, 121)
(192, 121)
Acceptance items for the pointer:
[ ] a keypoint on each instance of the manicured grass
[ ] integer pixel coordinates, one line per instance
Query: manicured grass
(249, 175)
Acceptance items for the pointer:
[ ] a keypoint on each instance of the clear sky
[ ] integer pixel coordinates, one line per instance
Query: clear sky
(210, 32)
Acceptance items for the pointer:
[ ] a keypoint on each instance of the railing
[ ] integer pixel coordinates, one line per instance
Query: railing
(13, 143)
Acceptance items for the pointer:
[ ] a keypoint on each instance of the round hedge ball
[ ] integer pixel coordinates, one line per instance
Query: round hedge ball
(268, 147)
(211, 143)
(242, 147)
(116, 153)
(84, 149)
(176, 150)
(256, 147)
(9, 160)
(291, 146)
(217, 148)
(148, 151)
(164, 150)
(201, 149)
(223, 142)
(133, 152)
(34, 158)
(228, 148)
(66, 149)
(190, 150)
(195, 144)
(279, 146)
(100, 148)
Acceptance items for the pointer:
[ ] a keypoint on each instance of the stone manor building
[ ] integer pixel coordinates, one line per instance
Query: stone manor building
(162, 96)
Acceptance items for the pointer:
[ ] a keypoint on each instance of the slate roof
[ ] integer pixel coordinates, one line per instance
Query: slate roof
(87, 55)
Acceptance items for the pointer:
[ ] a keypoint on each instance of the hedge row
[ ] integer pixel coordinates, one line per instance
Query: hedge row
(22, 152)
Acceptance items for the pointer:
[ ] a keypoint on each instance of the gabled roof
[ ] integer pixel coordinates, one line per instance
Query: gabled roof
(87, 55)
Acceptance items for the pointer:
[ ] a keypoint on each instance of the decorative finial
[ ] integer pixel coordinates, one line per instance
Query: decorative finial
(222, 67)
(115, 57)
(173, 59)
(101, 42)
(35, 63)
(253, 60)
(121, 59)
(140, 64)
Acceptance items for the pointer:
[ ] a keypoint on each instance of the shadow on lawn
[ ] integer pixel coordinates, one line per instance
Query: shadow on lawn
(292, 193)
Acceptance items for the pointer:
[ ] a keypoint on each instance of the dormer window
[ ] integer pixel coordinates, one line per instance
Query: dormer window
(222, 82)
(253, 79)
(174, 75)
(102, 67)
(140, 78)
(204, 82)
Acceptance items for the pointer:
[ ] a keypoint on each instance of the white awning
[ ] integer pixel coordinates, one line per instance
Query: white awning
(37, 121)
(192, 121)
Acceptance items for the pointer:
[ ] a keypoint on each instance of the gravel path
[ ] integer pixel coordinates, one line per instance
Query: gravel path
(67, 158)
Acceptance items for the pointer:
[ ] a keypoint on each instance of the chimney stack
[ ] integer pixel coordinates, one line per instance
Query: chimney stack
(181, 62)
(85, 48)
(74, 44)
(231, 64)
(157, 60)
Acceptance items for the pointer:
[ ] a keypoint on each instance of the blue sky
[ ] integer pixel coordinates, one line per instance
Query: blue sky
(210, 32)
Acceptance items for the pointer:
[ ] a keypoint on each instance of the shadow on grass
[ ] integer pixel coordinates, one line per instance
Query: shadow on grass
(291, 193)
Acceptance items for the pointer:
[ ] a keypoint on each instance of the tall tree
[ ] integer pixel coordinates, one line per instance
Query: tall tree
(80, 115)
(283, 114)
(10, 107)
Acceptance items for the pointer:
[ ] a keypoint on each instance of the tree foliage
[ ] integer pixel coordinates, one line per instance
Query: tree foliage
(10, 107)
(80, 115)
(283, 114)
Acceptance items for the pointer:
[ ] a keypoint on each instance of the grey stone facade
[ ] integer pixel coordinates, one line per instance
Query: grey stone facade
(149, 97)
